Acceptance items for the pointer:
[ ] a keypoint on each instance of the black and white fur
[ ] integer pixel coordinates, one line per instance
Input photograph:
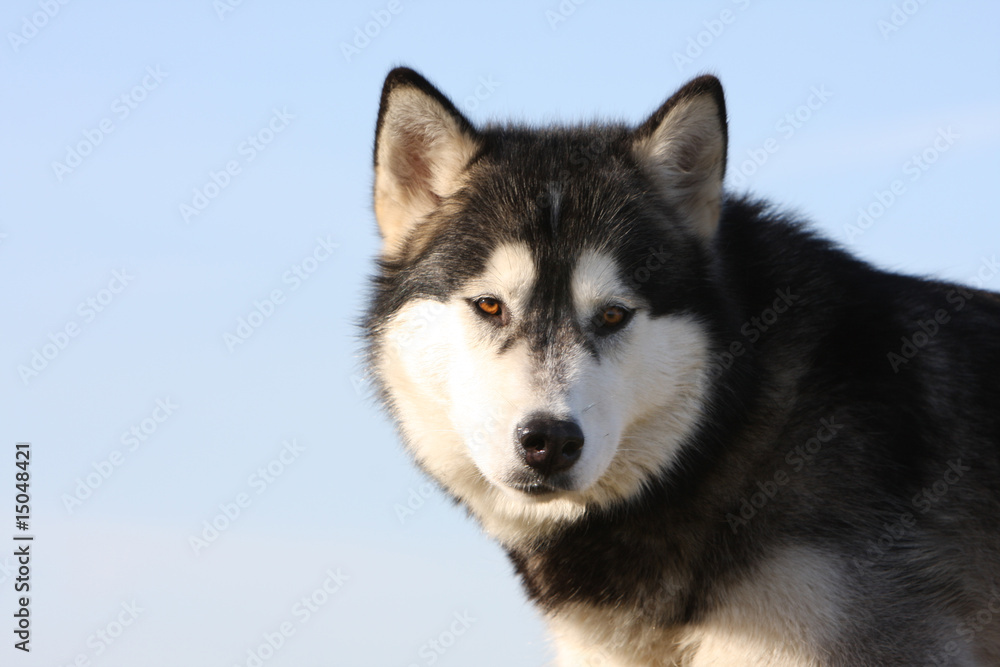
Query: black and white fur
(565, 325)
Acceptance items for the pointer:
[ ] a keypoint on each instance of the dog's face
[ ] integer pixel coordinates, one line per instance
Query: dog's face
(539, 325)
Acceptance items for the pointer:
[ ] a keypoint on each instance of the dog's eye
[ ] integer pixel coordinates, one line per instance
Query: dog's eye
(611, 319)
(489, 306)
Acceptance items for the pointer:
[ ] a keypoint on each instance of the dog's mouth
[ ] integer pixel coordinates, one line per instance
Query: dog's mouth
(535, 489)
(537, 486)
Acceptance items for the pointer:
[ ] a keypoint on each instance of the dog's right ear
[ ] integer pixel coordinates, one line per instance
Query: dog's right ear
(682, 148)
(422, 146)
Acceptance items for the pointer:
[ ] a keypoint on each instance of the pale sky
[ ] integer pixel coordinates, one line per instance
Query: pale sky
(186, 235)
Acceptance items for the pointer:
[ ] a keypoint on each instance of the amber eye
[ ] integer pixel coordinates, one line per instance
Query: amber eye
(611, 319)
(487, 305)
(613, 316)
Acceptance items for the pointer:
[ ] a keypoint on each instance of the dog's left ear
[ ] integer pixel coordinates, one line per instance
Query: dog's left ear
(422, 146)
(682, 148)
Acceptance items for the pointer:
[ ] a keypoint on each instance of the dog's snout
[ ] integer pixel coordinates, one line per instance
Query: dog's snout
(550, 445)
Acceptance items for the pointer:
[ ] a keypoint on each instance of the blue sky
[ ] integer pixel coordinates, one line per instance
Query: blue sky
(153, 412)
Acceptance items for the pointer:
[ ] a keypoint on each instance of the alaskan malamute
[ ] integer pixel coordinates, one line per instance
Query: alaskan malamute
(703, 434)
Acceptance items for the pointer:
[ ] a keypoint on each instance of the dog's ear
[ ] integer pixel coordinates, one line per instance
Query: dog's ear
(682, 148)
(422, 146)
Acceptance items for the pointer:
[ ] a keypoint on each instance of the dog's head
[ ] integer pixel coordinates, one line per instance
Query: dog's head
(538, 322)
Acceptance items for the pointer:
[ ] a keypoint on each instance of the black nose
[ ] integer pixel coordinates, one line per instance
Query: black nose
(550, 445)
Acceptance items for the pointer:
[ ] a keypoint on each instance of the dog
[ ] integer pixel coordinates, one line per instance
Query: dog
(703, 434)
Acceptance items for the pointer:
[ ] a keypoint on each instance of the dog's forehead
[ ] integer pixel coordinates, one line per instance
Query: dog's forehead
(543, 179)
(565, 195)
(559, 216)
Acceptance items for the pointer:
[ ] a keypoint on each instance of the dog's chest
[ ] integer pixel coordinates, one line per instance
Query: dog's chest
(779, 616)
